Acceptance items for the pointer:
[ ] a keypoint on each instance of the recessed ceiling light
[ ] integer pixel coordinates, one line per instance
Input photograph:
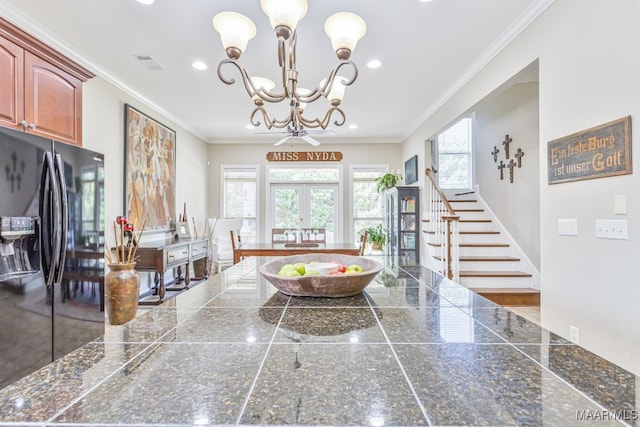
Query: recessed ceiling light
(199, 65)
(374, 63)
(425, 1)
(353, 126)
(147, 2)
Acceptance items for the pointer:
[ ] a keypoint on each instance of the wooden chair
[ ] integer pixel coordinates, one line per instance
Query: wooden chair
(223, 247)
(280, 235)
(363, 242)
(314, 235)
(309, 235)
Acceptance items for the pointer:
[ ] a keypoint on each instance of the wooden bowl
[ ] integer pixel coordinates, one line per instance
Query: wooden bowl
(342, 285)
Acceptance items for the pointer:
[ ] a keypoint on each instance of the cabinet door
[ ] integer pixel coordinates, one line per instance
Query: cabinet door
(11, 83)
(53, 101)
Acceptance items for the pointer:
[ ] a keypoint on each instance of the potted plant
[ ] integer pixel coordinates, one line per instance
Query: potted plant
(377, 236)
(388, 180)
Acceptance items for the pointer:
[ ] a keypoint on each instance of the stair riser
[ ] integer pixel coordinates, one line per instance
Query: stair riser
(484, 251)
(479, 238)
(477, 226)
(470, 238)
(472, 215)
(490, 265)
(496, 282)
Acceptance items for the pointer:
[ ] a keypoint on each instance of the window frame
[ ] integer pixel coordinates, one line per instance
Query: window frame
(382, 169)
(435, 147)
(223, 196)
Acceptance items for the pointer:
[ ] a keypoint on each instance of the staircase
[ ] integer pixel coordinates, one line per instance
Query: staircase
(489, 262)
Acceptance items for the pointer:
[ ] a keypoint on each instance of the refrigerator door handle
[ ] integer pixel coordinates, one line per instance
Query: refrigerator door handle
(49, 214)
(63, 219)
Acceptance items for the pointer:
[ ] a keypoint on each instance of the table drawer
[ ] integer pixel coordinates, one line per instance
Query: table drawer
(179, 255)
(199, 249)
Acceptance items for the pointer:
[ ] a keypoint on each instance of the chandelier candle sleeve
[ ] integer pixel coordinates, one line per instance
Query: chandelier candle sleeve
(343, 28)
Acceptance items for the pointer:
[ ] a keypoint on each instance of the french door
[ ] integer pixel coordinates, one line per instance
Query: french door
(305, 205)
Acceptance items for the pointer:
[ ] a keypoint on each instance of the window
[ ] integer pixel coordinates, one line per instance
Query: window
(92, 212)
(367, 204)
(455, 150)
(240, 198)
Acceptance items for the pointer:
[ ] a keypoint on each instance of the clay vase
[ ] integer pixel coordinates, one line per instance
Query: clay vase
(121, 293)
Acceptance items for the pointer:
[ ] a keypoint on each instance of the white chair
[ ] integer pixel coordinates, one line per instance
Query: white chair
(222, 248)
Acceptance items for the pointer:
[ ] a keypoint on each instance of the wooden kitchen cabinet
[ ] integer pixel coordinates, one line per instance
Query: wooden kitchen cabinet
(41, 89)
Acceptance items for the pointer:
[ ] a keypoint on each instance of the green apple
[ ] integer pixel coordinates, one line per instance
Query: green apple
(288, 272)
(355, 267)
(300, 267)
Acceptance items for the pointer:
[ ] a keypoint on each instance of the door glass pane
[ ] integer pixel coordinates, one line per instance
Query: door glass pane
(322, 211)
(287, 208)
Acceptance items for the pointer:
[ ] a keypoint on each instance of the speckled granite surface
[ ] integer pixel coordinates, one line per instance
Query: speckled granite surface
(235, 351)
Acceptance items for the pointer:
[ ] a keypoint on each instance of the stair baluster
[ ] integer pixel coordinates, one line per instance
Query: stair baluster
(446, 225)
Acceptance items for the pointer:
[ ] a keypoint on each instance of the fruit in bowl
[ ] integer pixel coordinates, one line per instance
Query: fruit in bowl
(325, 275)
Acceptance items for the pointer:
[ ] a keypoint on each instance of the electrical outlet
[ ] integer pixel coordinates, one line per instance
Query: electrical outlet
(612, 229)
(574, 334)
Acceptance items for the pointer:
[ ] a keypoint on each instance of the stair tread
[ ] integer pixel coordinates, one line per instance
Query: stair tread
(466, 220)
(465, 232)
(484, 258)
(462, 200)
(505, 290)
(471, 273)
(476, 245)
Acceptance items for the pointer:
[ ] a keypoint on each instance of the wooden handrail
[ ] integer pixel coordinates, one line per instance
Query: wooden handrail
(436, 187)
(445, 223)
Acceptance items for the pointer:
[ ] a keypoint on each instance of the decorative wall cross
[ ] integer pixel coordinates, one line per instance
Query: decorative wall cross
(13, 174)
(495, 153)
(511, 165)
(506, 143)
(518, 156)
(501, 167)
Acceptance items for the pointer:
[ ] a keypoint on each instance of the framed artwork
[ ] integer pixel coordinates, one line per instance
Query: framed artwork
(150, 172)
(411, 170)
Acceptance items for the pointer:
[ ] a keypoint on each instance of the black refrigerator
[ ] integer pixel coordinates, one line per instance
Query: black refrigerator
(51, 251)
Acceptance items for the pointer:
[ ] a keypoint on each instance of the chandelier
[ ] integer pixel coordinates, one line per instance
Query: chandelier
(343, 28)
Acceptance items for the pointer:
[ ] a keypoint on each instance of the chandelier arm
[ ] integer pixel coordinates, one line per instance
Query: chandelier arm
(326, 88)
(268, 121)
(265, 115)
(248, 83)
(285, 122)
(317, 123)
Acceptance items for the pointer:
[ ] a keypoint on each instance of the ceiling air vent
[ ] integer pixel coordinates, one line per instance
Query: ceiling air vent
(149, 62)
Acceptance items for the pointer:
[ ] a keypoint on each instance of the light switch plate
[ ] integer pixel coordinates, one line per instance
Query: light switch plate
(612, 229)
(620, 204)
(567, 226)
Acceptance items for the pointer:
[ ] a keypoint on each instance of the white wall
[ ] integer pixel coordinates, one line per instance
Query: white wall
(103, 131)
(513, 111)
(588, 66)
(255, 154)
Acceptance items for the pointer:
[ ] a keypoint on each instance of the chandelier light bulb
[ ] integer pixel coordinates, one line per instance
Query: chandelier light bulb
(286, 13)
(261, 83)
(235, 32)
(336, 93)
(344, 29)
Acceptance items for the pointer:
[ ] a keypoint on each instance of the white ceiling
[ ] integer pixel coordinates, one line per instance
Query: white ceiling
(427, 49)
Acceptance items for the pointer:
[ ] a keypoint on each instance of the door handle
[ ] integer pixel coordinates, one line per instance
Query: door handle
(63, 218)
(49, 215)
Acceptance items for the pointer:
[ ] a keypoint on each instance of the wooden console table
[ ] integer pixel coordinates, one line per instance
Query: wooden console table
(163, 255)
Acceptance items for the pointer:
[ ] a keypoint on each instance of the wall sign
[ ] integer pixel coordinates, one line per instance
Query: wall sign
(304, 156)
(598, 152)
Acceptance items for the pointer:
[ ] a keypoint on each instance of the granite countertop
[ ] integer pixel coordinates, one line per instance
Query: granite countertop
(235, 351)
